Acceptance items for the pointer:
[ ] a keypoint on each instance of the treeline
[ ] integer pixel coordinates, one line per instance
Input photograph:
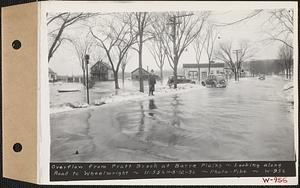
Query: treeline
(273, 66)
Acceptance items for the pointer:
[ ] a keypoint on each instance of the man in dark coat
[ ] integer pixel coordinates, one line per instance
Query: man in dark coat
(152, 82)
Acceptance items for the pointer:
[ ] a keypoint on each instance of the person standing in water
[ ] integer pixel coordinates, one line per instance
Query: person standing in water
(152, 82)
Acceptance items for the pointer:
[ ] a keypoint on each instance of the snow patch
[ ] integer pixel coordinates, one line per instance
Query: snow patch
(126, 96)
(288, 86)
(288, 92)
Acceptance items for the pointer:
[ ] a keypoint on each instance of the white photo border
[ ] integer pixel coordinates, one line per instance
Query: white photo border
(129, 6)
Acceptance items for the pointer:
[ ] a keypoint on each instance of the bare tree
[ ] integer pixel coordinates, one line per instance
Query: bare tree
(224, 53)
(157, 48)
(123, 66)
(211, 36)
(83, 46)
(140, 24)
(282, 26)
(158, 53)
(60, 22)
(185, 27)
(246, 52)
(198, 48)
(116, 38)
(286, 56)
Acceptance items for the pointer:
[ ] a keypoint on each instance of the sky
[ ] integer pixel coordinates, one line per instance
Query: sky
(65, 61)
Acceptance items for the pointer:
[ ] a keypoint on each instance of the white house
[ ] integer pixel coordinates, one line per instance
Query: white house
(191, 70)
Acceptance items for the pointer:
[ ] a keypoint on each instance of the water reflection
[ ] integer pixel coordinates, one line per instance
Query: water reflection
(151, 107)
(209, 124)
(141, 128)
(175, 121)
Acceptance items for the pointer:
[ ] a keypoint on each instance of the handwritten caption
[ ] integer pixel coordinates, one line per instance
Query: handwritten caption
(276, 180)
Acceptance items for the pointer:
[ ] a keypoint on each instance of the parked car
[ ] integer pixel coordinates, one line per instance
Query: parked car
(180, 80)
(218, 81)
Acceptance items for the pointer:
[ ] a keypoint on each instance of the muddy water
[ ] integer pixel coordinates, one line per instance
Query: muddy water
(245, 121)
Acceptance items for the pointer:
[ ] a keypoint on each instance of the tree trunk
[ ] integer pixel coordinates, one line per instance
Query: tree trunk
(123, 75)
(209, 67)
(140, 62)
(286, 70)
(83, 76)
(175, 72)
(116, 80)
(235, 75)
(198, 73)
(161, 75)
(83, 71)
(290, 68)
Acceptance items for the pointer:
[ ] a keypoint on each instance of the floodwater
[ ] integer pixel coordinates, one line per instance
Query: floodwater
(100, 89)
(249, 120)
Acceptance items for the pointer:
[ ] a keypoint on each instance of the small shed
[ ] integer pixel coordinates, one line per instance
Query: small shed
(135, 74)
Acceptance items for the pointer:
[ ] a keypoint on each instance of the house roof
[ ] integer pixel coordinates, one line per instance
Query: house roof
(103, 63)
(138, 68)
(194, 65)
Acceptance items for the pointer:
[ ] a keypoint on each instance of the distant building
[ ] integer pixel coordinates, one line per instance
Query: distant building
(191, 70)
(66, 78)
(135, 74)
(102, 71)
(52, 75)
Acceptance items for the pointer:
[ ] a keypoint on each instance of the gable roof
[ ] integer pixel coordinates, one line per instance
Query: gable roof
(103, 63)
(138, 69)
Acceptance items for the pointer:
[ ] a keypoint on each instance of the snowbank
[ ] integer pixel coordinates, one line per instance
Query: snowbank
(126, 96)
(288, 92)
(287, 86)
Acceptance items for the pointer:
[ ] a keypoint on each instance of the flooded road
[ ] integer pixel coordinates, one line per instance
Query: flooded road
(249, 120)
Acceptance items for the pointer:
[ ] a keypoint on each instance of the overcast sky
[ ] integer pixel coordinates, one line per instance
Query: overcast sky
(65, 61)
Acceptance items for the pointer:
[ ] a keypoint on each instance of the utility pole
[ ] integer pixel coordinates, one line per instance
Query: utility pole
(174, 23)
(237, 64)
